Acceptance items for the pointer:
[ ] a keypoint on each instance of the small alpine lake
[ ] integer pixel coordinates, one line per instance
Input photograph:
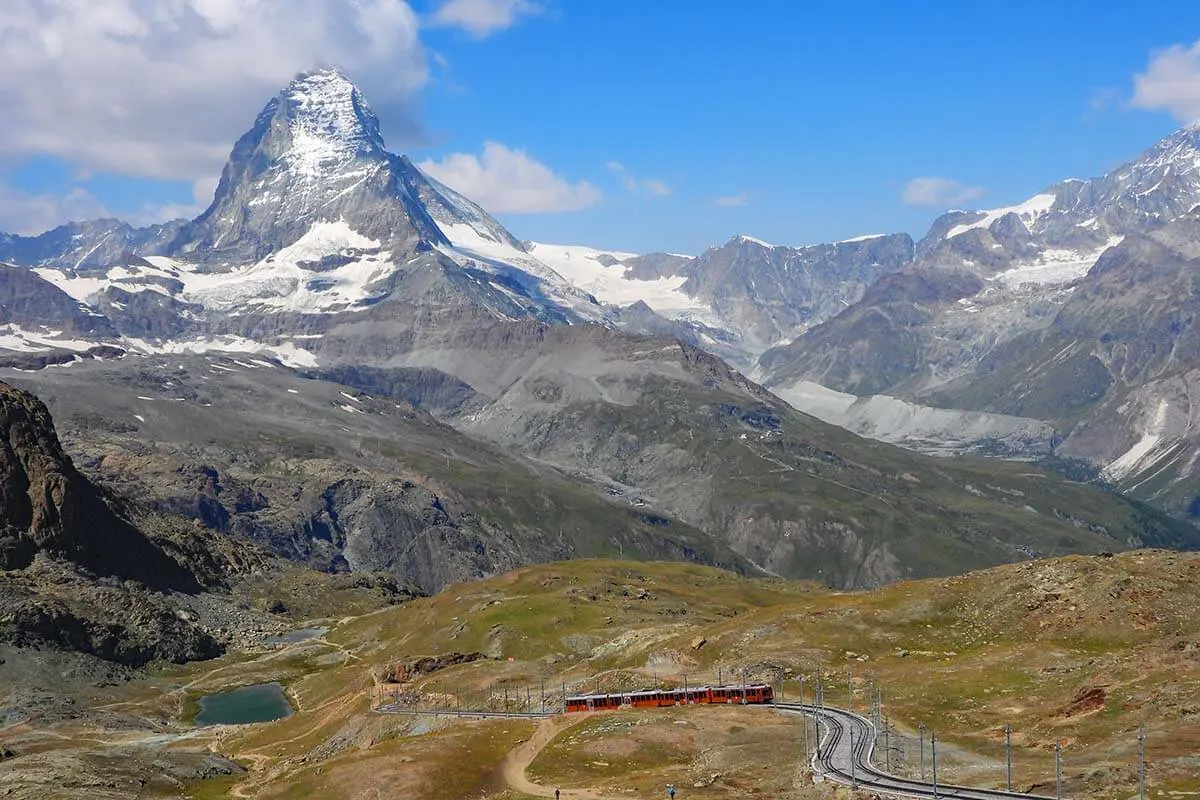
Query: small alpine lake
(296, 636)
(261, 703)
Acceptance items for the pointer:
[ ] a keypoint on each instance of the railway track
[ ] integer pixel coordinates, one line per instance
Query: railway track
(392, 708)
(846, 751)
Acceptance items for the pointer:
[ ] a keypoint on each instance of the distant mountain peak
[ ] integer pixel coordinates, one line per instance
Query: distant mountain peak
(744, 239)
(1180, 150)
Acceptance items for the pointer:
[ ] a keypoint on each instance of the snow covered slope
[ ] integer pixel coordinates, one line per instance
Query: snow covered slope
(606, 275)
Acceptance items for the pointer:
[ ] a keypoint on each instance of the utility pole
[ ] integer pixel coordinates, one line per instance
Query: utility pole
(853, 777)
(921, 733)
(1008, 756)
(804, 716)
(1058, 770)
(849, 690)
(1141, 764)
(887, 747)
(817, 747)
(933, 747)
(804, 722)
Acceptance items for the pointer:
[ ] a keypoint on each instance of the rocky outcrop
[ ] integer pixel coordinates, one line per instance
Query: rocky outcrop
(49, 607)
(49, 508)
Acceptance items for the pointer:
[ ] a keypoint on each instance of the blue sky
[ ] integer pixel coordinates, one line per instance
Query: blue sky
(673, 125)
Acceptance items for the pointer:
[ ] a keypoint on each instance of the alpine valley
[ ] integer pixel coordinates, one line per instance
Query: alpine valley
(345, 385)
(351, 367)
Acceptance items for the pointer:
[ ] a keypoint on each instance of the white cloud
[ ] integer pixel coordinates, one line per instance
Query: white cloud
(656, 187)
(1171, 83)
(732, 200)
(162, 89)
(482, 18)
(650, 186)
(932, 192)
(25, 213)
(507, 181)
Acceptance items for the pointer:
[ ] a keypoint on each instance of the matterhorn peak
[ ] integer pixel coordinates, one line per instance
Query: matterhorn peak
(315, 154)
(329, 122)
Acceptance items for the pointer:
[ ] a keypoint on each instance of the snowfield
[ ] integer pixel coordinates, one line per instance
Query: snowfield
(1028, 211)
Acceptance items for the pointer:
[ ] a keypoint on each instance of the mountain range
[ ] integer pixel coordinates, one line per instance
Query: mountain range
(359, 369)
(1072, 310)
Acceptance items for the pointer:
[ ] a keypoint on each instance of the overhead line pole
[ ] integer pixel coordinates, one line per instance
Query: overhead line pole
(1058, 770)
(921, 729)
(853, 777)
(933, 747)
(1141, 764)
(1008, 756)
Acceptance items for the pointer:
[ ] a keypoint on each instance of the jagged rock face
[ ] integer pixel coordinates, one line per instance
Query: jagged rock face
(315, 154)
(48, 507)
(650, 266)
(30, 302)
(770, 294)
(449, 208)
(873, 346)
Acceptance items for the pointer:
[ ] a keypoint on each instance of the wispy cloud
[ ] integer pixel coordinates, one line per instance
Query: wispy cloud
(508, 181)
(732, 200)
(1171, 82)
(933, 192)
(25, 213)
(649, 186)
(656, 187)
(482, 18)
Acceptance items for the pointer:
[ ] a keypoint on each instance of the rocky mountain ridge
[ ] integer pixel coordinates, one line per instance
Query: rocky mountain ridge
(80, 573)
(1005, 312)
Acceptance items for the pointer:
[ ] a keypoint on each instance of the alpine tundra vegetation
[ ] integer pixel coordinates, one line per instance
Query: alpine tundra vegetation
(329, 484)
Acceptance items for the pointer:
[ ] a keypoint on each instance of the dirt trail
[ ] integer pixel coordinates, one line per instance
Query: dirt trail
(518, 760)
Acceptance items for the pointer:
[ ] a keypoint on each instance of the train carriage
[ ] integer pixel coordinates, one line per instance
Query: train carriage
(756, 693)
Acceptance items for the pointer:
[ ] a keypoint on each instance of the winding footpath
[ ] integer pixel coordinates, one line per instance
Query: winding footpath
(846, 754)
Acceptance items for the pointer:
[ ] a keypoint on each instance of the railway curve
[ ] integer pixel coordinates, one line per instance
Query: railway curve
(845, 754)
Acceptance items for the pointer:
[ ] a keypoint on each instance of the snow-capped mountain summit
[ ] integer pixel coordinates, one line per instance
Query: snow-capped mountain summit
(315, 154)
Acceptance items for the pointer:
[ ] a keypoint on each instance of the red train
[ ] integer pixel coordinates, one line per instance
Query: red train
(659, 698)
